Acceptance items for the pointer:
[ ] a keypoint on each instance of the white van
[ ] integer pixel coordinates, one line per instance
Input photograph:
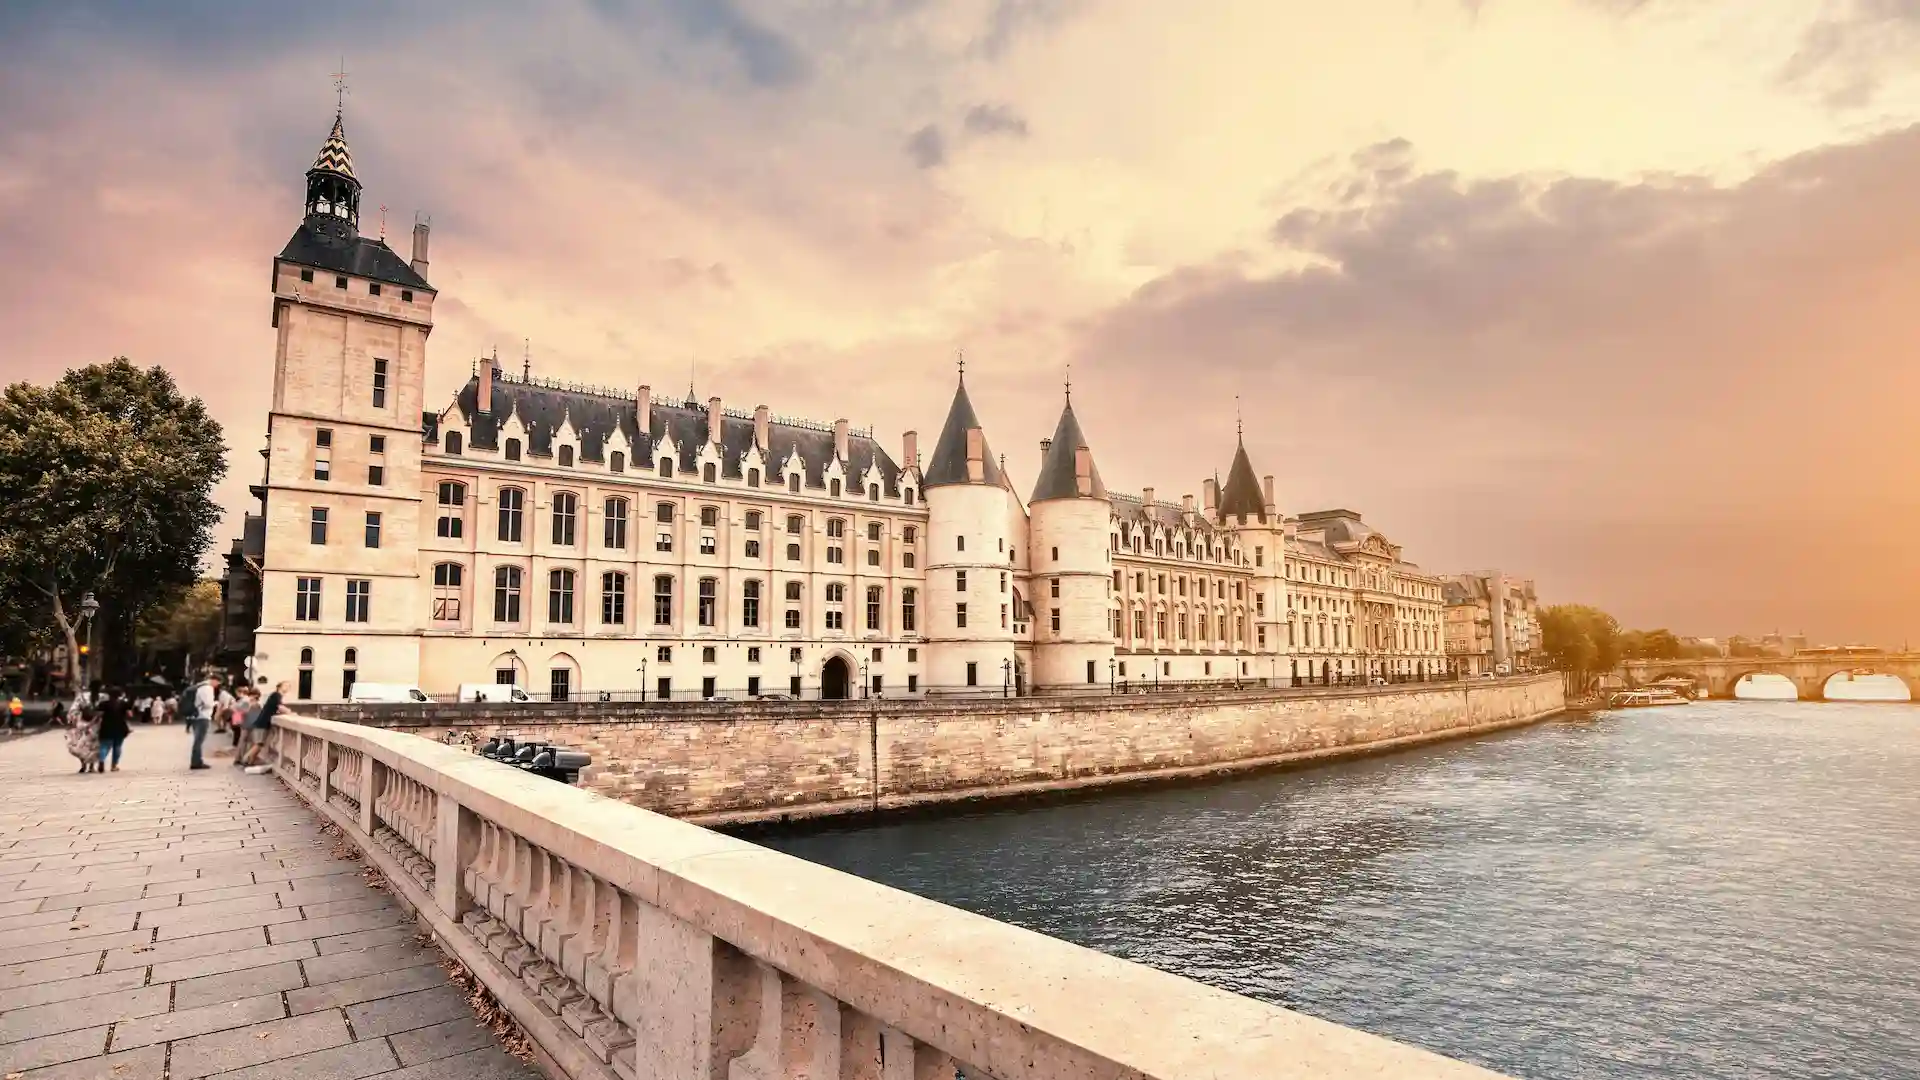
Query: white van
(373, 693)
(471, 692)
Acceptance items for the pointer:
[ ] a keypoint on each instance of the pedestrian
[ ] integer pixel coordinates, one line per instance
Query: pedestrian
(16, 711)
(83, 737)
(157, 709)
(258, 728)
(115, 714)
(235, 716)
(208, 701)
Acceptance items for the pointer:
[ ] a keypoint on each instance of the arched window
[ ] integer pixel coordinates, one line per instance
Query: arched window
(795, 523)
(793, 483)
(793, 590)
(306, 656)
(709, 472)
(873, 531)
(909, 496)
(453, 442)
(349, 671)
(506, 594)
(304, 689)
(451, 495)
(617, 462)
(613, 598)
(750, 604)
(447, 579)
(566, 507)
(753, 477)
(836, 528)
(873, 492)
(560, 597)
(512, 502)
(666, 466)
(833, 488)
(614, 524)
(663, 600)
(513, 449)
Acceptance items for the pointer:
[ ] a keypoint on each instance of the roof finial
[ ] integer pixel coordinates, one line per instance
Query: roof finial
(340, 88)
(1069, 386)
(1239, 427)
(526, 359)
(960, 355)
(691, 366)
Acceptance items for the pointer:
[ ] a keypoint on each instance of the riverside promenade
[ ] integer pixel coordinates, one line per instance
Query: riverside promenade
(159, 923)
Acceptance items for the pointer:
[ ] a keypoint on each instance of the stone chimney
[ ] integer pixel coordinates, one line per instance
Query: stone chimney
(1210, 494)
(760, 427)
(715, 417)
(910, 450)
(483, 402)
(420, 248)
(840, 440)
(1146, 496)
(644, 408)
(1186, 505)
(1266, 493)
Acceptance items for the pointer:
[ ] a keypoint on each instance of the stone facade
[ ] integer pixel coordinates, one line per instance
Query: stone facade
(1492, 624)
(749, 760)
(579, 540)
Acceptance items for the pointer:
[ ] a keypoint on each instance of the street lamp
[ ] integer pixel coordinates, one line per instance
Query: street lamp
(865, 681)
(643, 679)
(797, 695)
(88, 608)
(1110, 676)
(1006, 678)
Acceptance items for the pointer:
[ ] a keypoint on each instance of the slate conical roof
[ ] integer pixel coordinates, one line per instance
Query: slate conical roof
(1242, 495)
(949, 462)
(1059, 472)
(334, 156)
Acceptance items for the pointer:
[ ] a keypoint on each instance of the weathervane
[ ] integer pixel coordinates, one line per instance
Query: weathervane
(340, 87)
(1239, 426)
(960, 356)
(526, 359)
(383, 221)
(1069, 384)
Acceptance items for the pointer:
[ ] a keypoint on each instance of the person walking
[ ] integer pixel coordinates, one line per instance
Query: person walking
(259, 725)
(157, 709)
(208, 700)
(83, 737)
(16, 709)
(116, 714)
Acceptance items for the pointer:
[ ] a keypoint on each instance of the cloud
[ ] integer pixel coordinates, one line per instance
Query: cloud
(1666, 387)
(1846, 54)
(770, 59)
(927, 148)
(995, 120)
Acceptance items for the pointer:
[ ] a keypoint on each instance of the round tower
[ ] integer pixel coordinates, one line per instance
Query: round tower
(1072, 565)
(969, 613)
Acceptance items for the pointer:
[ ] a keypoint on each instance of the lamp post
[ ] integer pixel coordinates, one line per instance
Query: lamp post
(88, 608)
(797, 684)
(1110, 677)
(643, 679)
(865, 681)
(1006, 678)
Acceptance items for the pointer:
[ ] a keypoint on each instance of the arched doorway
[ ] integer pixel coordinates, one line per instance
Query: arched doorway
(834, 678)
(1326, 673)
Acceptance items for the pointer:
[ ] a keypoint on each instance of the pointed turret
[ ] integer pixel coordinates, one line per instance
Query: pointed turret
(333, 192)
(1242, 497)
(1067, 471)
(962, 455)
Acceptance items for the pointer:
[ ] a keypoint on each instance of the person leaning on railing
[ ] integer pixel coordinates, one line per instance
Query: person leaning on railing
(258, 727)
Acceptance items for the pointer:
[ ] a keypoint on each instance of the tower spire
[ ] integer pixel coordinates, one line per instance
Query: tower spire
(333, 191)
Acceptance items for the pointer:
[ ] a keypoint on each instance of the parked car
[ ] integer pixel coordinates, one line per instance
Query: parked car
(364, 693)
(471, 692)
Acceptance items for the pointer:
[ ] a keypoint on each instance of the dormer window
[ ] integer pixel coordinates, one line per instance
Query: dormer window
(513, 449)
(340, 282)
(406, 296)
(566, 457)
(306, 275)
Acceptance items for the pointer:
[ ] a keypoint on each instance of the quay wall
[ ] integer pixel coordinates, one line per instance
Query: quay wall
(738, 762)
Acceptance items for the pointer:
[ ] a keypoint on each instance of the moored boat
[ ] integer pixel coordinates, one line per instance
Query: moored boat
(1640, 699)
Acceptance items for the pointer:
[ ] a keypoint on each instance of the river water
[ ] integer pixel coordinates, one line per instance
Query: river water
(1712, 890)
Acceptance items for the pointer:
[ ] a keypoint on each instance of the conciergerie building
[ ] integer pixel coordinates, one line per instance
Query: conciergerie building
(577, 540)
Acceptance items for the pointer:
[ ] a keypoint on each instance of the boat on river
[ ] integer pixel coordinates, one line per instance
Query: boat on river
(1639, 699)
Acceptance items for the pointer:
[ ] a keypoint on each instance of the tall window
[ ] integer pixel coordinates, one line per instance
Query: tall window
(451, 496)
(793, 483)
(836, 594)
(373, 529)
(960, 616)
(663, 513)
(666, 466)
(709, 516)
(708, 473)
(663, 600)
(322, 453)
(513, 449)
(566, 507)
(617, 462)
(453, 443)
(305, 689)
(379, 384)
(317, 526)
(753, 477)
(708, 594)
(376, 460)
(447, 579)
(873, 607)
(836, 528)
(753, 521)
(306, 600)
(908, 598)
(613, 533)
(506, 594)
(613, 598)
(795, 523)
(359, 594)
(349, 671)
(793, 590)
(873, 531)
(750, 604)
(566, 457)
(512, 502)
(560, 597)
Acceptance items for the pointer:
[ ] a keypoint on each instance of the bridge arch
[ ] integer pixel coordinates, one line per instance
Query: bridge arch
(1863, 684)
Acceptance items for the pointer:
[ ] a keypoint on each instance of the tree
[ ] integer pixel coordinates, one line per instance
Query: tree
(1580, 641)
(184, 624)
(107, 477)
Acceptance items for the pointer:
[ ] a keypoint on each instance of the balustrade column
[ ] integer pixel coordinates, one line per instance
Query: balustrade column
(455, 845)
(370, 780)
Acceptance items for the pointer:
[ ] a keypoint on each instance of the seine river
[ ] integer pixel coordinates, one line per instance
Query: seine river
(1712, 890)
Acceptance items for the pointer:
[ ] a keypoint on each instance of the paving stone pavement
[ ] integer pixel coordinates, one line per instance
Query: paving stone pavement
(161, 924)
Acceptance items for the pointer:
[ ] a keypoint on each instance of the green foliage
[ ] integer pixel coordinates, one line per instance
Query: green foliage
(1579, 640)
(107, 479)
(187, 621)
(1660, 644)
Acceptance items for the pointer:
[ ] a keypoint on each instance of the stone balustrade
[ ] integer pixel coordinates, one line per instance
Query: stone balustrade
(630, 945)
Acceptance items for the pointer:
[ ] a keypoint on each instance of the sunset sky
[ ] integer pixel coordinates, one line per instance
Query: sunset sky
(1624, 296)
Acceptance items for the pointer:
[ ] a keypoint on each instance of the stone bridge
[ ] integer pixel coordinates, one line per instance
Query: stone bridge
(1809, 672)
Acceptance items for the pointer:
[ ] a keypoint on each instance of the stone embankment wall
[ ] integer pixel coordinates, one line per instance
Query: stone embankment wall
(746, 761)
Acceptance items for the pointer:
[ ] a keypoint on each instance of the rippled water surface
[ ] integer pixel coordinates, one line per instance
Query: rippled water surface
(1714, 890)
